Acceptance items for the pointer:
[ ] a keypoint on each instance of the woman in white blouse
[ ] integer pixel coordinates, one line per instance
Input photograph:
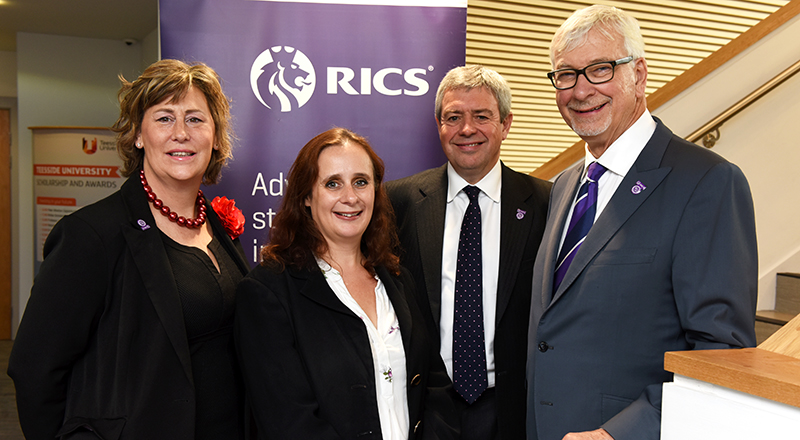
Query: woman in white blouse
(331, 338)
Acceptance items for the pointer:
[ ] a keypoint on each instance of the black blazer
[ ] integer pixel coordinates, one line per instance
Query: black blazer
(102, 345)
(307, 362)
(419, 202)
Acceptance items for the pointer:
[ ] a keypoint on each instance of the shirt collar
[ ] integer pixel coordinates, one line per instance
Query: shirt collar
(324, 266)
(489, 185)
(623, 152)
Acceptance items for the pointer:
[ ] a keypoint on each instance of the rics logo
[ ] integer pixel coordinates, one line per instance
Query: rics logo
(282, 78)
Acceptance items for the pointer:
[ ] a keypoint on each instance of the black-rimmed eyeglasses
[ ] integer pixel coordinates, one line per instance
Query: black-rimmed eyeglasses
(596, 73)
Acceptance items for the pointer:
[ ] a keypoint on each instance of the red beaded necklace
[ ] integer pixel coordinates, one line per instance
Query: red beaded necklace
(180, 220)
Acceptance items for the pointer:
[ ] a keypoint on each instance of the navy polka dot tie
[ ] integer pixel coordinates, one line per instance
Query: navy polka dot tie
(469, 355)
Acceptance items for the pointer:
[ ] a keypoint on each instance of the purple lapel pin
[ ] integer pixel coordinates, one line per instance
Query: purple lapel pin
(143, 225)
(520, 214)
(638, 188)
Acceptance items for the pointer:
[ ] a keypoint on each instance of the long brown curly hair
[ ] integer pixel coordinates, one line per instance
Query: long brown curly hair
(295, 238)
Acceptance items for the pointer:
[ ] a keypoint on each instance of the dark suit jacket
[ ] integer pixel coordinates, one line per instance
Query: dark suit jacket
(672, 267)
(419, 202)
(307, 362)
(102, 344)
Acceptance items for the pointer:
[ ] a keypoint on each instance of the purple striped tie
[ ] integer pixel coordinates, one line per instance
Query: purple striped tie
(582, 219)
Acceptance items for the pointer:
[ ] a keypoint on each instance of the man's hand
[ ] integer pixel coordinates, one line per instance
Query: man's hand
(597, 434)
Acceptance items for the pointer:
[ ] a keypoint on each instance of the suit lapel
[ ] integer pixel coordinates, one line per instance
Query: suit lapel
(430, 213)
(516, 217)
(147, 249)
(313, 285)
(396, 296)
(234, 248)
(562, 196)
(647, 172)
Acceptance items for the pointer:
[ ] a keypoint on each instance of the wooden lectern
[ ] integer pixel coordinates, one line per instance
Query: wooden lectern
(751, 393)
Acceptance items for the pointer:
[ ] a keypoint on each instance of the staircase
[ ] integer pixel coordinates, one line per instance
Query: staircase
(787, 306)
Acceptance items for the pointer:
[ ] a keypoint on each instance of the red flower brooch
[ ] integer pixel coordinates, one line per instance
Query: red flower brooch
(230, 216)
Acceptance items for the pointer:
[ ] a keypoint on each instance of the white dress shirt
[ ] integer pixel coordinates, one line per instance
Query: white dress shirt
(618, 160)
(457, 202)
(388, 354)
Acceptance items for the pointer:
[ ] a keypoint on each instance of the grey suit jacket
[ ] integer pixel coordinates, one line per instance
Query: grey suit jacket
(673, 267)
(419, 202)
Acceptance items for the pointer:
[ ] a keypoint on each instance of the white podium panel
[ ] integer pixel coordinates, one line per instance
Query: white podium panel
(696, 410)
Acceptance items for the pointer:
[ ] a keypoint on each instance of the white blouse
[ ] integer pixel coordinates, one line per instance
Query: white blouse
(388, 355)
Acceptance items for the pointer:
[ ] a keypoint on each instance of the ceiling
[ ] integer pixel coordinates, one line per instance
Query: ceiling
(510, 36)
(107, 19)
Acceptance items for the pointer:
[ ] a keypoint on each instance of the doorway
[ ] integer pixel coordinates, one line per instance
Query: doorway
(5, 224)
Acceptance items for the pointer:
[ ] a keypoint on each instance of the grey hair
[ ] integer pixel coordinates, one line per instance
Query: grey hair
(608, 20)
(472, 77)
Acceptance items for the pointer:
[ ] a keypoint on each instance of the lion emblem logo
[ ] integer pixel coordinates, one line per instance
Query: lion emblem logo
(286, 74)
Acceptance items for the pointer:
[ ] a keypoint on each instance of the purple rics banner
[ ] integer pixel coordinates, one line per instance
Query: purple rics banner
(294, 70)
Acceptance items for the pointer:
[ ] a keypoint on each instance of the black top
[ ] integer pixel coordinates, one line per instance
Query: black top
(207, 300)
(102, 347)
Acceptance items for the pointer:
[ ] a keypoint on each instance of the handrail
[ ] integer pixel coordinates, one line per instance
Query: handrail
(705, 132)
(685, 80)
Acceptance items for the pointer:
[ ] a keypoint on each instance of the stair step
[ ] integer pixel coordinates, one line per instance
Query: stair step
(787, 298)
(773, 317)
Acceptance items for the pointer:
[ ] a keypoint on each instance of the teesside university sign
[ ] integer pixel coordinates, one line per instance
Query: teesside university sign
(293, 70)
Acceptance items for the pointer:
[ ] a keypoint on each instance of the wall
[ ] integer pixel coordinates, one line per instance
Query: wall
(72, 81)
(8, 74)
(761, 140)
(60, 81)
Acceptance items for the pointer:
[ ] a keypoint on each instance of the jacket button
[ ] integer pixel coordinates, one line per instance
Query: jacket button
(416, 380)
(543, 347)
(417, 426)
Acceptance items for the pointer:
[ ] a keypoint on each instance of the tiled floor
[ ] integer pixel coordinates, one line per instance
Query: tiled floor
(9, 424)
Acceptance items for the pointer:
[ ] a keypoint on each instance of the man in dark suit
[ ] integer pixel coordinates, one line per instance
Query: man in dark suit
(669, 262)
(473, 113)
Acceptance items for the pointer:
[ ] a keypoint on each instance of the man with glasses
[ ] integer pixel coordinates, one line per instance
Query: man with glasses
(477, 220)
(650, 246)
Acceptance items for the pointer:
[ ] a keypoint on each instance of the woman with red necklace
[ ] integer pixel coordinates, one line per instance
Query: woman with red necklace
(128, 330)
